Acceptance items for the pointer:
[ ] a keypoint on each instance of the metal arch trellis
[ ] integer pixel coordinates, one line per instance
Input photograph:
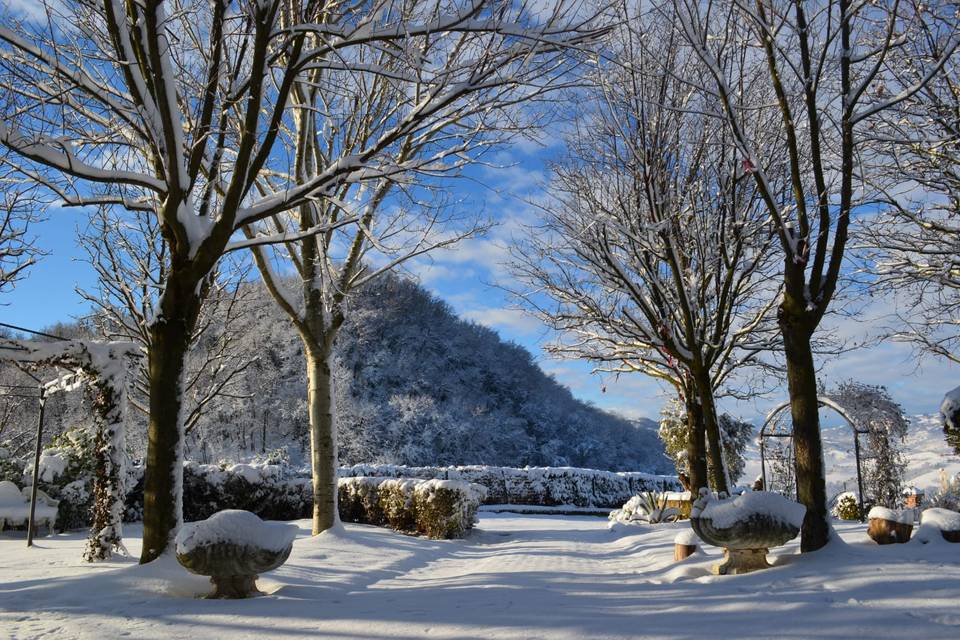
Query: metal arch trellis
(823, 402)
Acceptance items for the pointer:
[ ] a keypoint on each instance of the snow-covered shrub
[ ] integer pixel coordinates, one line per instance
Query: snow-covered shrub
(446, 508)
(359, 500)
(434, 508)
(66, 474)
(258, 489)
(846, 506)
(674, 431)
(648, 507)
(397, 505)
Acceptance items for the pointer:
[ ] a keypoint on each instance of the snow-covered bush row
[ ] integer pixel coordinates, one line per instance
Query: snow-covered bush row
(547, 486)
(279, 492)
(438, 509)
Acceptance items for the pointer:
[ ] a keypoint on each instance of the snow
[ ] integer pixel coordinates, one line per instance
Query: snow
(942, 519)
(15, 508)
(687, 537)
(248, 472)
(561, 578)
(52, 465)
(238, 527)
(725, 513)
(882, 513)
(473, 492)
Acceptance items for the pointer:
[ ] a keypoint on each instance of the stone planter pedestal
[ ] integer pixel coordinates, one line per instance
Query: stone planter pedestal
(233, 548)
(747, 537)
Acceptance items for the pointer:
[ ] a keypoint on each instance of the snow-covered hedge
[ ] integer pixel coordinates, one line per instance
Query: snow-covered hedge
(548, 486)
(280, 492)
(438, 509)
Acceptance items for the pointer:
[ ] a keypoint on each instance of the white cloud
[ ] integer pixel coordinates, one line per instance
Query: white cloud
(512, 321)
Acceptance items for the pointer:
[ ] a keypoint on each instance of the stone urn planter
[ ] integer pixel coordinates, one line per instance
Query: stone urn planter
(233, 548)
(746, 527)
(887, 526)
(948, 522)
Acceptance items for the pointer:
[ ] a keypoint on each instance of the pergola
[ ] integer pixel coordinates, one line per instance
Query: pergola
(825, 402)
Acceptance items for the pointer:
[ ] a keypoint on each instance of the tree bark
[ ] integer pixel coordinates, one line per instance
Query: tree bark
(323, 438)
(696, 446)
(711, 426)
(169, 341)
(807, 446)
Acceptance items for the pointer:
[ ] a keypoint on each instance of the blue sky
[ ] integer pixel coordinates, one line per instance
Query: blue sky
(470, 276)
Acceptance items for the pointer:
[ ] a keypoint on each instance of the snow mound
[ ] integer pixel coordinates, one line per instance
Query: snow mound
(882, 513)
(688, 537)
(238, 527)
(942, 519)
(727, 512)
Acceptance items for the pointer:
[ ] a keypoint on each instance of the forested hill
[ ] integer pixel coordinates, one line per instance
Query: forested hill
(415, 385)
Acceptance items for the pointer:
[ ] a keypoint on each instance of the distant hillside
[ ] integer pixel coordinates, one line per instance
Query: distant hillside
(416, 385)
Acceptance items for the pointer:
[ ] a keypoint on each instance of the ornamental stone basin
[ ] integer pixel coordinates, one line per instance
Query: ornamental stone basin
(233, 547)
(746, 526)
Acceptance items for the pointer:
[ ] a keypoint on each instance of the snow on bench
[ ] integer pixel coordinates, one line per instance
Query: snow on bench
(15, 507)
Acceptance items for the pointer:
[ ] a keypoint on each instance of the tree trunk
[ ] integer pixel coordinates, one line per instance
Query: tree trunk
(807, 447)
(163, 481)
(711, 426)
(323, 438)
(696, 445)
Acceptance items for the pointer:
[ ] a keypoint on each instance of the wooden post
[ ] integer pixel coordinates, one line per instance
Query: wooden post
(36, 469)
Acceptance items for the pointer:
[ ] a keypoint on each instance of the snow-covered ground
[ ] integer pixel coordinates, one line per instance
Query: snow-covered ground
(515, 577)
(925, 450)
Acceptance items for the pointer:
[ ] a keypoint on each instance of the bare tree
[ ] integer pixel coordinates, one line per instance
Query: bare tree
(911, 247)
(654, 253)
(173, 108)
(829, 66)
(127, 253)
(424, 114)
(18, 210)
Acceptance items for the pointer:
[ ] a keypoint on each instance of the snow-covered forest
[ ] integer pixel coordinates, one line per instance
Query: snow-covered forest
(415, 386)
(314, 307)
